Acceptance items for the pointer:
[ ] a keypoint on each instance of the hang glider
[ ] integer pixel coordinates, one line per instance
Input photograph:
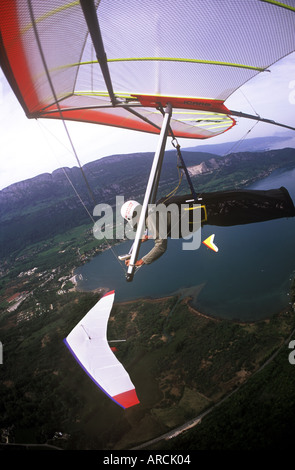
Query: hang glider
(164, 67)
(209, 242)
(89, 346)
(113, 63)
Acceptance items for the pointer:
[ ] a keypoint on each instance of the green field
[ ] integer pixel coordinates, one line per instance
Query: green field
(180, 362)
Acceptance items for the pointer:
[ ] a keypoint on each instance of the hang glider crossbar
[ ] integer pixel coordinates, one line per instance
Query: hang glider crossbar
(260, 119)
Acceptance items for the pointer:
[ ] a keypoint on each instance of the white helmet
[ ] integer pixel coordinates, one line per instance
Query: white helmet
(131, 211)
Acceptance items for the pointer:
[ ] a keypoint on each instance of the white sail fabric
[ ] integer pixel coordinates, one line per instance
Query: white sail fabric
(88, 344)
(191, 49)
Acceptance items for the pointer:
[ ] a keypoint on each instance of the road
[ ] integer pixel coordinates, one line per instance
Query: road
(193, 422)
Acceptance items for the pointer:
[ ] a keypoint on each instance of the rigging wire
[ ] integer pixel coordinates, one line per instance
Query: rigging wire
(64, 169)
(56, 101)
(233, 147)
(238, 143)
(248, 101)
(65, 126)
(76, 191)
(180, 176)
(69, 136)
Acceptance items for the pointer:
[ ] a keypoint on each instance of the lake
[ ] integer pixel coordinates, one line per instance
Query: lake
(247, 279)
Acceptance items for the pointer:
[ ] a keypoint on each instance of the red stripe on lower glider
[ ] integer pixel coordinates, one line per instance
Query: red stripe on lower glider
(109, 293)
(127, 399)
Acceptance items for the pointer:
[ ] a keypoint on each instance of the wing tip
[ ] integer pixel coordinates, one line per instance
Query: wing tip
(209, 242)
(111, 292)
(127, 399)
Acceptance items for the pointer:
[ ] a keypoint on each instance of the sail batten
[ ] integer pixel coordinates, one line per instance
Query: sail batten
(209, 52)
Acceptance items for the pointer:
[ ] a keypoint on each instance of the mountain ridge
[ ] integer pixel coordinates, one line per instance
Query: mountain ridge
(46, 205)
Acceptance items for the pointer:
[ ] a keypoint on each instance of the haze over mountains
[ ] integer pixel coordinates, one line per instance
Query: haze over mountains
(255, 144)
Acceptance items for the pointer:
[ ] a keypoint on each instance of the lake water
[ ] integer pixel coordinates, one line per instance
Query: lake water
(249, 278)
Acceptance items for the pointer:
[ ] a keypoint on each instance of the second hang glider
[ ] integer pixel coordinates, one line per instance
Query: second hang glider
(88, 344)
(159, 67)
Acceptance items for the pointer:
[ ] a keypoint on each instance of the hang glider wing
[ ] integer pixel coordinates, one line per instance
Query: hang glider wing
(209, 242)
(117, 66)
(88, 344)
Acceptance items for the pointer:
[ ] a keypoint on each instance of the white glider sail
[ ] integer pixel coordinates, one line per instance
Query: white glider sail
(89, 346)
(114, 62)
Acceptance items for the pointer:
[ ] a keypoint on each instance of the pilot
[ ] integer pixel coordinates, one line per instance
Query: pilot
(130, 211)
(159, 227)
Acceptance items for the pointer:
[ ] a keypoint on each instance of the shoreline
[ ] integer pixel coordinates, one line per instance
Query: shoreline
(182, 295)
(187, 296)
(190, 296)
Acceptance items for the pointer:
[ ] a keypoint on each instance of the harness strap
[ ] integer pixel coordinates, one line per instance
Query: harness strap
(184, 168)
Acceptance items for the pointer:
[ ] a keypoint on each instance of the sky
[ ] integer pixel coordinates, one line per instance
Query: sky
(31, 147)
